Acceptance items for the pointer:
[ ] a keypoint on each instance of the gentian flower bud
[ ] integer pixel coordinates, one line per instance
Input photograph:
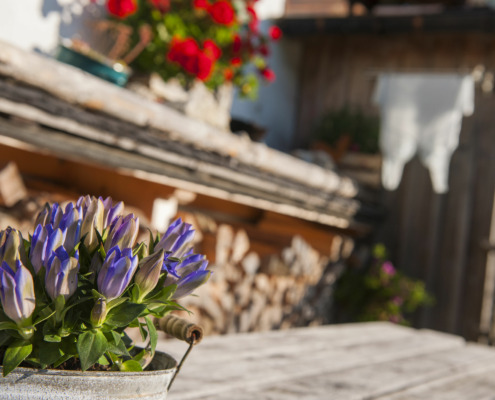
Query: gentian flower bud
(149, 271)
(10, 245)
(99, 312)
(17, 292)
(61, 274)
(49, 215)
(92, 218)
(116, 272)
(111, 211)
(44, 242)
(71, 224)
(123, 232)
(188, 275)
(176, 239)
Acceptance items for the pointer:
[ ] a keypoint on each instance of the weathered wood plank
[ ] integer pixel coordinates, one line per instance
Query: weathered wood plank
(351, 362)
(77, 87)
(267, 360)
(168, 174)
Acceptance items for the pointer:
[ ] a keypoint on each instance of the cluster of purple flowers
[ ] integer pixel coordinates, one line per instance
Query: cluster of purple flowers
(53, 255)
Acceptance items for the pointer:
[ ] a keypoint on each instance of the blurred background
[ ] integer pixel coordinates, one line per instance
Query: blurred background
(336, 158)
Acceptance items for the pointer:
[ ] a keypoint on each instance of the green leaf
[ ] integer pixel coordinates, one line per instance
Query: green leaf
(91, 346)
(164, 294)
(49, 353)
(16, 353)
(116, 344)
(43, 315)
(151, 242)
(61, 360)
(123, 315)
(4, 338)
(116, 302)
(52, 338)
(7, 325)
(153, 334)
(138, 249)
(131, 366)
(143, 332)
(103, 360)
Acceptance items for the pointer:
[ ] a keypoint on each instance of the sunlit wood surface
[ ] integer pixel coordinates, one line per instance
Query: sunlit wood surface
(355, 361)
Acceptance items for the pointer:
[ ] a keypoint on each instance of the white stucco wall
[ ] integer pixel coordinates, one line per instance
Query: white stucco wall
(38, 24)
(275, 108)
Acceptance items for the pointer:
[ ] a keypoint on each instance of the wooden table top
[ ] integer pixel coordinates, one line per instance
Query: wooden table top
(354, 361)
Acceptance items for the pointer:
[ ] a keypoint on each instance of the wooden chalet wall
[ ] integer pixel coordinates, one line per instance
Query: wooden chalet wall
(438, 238)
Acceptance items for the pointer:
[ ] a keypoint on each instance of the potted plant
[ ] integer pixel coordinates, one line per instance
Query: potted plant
(199, 49)
(69, 292)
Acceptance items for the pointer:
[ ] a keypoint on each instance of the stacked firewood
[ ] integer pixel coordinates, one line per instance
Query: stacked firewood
(252, 293)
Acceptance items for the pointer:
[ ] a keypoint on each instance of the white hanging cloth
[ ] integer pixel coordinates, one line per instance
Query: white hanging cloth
(421, 113)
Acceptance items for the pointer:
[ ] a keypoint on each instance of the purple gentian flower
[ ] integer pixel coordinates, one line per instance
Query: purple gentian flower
(188, 275)
(61, 274)
(149, 271)
(17, 292)
(11, 243)
(44, 242)
(111, 211)
(116, 272)
(177, 239)
(70, 223)
(123, 232)
(92, 219)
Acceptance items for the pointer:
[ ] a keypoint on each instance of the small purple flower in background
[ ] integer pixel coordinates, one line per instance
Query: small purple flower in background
(17, 292)
(123, 232)
(188, 275)
(398, 301)
(61, 274)
(116, 272)
(177, 239)
(11, 243)
(388, 268)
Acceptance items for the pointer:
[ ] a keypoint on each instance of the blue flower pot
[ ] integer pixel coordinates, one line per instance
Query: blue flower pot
(116, 73)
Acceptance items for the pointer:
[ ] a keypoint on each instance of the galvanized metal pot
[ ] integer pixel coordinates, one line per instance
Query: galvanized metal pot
(33, 384)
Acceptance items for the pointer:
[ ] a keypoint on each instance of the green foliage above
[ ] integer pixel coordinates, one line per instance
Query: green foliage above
(362, 130)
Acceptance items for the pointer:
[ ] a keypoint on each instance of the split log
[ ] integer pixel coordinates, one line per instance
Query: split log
(12, 188)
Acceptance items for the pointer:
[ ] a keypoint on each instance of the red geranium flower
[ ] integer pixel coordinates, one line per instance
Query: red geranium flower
(121, 8)
(162, 5)
(236, 61)
(275, 32)
(228, 74)
(222, 12)
(189, 56)
(264, 50)
(236, 44)
(204, 65)
(268, 74)
(201, 4)
(211, 49)
(182, 50)
(254, 23)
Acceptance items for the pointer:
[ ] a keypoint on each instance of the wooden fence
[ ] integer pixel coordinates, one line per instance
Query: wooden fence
(441, 239)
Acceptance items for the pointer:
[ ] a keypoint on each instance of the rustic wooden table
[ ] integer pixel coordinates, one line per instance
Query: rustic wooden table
(354, 361)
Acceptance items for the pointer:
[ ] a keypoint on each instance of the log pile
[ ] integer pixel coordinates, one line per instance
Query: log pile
(252, 292)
